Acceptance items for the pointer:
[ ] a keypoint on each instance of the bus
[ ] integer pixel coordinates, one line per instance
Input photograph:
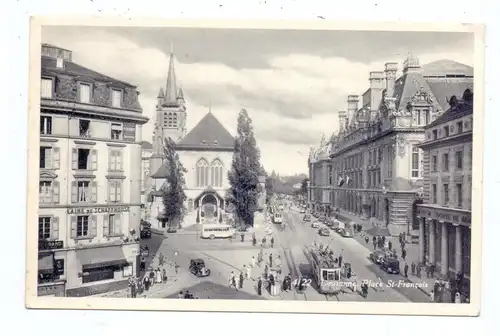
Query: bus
(327, 273)
(277, 218)
(213, 231)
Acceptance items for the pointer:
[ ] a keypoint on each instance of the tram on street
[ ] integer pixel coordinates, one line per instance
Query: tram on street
(277, 217)
(327, 273)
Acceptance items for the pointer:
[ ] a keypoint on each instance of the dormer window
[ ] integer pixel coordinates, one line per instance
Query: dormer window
(116, 98)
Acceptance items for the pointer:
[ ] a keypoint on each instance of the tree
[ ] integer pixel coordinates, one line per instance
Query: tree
(303, 186)
(269, 188)
(244, 174)
(173, 193)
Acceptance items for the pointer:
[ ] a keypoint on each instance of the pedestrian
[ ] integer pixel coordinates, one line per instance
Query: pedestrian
(272, 242)
(248, 272)
(242, 277)
(180, 295)
(152, 276)
(146, 282)
(406, 270)
(458, 298)
(367, 240)
(270, 260)
(164, 275)
(161, 259)
(133, 290)
(432, 270)
(159, 276)
(187, 295)
(242, 237)
(374, 240)
(403, 254)
(253, 262)
(419, 270)
(259, 286)
(413, 267)
(254, 240)
(340, 260)
(266, 272)
(383, 240)
(176, 268)
(389, 245)
(232, 280)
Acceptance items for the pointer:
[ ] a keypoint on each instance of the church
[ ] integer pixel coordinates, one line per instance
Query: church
(205, 151)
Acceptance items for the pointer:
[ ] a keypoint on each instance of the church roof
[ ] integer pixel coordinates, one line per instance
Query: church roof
(171, 88)
(162, 172)
(208, 133)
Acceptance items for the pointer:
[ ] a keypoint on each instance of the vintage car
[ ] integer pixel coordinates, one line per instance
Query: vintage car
(171, 229)
(315, 224)
(324, 232)
(377, 257)
(345, 233)
(307, 218)
(144, 249)
(198, 268)
(302, 211)
(390, 265)
(145, 230)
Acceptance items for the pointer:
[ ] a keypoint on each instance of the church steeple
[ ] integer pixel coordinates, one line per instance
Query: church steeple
(171, 88)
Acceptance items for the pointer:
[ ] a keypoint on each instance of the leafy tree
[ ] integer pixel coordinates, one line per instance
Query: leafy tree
(173, 193)
(244, 174)
(269, 188)
(303, 186)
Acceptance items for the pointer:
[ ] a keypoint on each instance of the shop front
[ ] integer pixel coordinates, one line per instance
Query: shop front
(51, 279)
(103, 269)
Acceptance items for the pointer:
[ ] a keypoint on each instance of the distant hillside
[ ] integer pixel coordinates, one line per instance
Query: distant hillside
(285, 184)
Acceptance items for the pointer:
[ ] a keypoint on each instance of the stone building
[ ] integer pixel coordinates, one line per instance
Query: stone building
(445, 215)
(320, 176)
(377, 164)
(89, 181)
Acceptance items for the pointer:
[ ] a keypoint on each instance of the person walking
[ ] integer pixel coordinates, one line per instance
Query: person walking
(253, 262)
(248, 272)
(270, 260)
(176, 268)
(340, 260)
(406, 270)
(403, 254)
(161, 259)
(242, 237)
(367, 240)
(266, 272)
(374, 240)
(259, 286)
(431, 296)
(413, 268)
(272, 242)
(164, 275)
(242, 277)
(264, 241)
(389, 245)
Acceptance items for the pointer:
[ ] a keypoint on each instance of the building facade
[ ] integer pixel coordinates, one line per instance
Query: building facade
(206, 153)
(376, 158)
(89, 186)
(320, 176)
(445, 215)
(147, 152)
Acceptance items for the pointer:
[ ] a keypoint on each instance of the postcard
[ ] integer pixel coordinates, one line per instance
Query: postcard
(255, 166)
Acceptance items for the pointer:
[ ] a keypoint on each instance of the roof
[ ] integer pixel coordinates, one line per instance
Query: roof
(162, 172)
(444, 89)
(71, 68)
(461, 109)
(208, 133)
(53, 46)
(407, 86)
(146, 145)
(171, 87)
(447, 67)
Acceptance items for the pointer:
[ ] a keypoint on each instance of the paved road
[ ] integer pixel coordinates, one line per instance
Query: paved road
(394, 288)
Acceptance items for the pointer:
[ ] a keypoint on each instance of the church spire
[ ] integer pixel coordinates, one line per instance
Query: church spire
(171, 89)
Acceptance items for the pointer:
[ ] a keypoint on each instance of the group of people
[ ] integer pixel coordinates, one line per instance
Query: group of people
(151, 278)
(186, 295)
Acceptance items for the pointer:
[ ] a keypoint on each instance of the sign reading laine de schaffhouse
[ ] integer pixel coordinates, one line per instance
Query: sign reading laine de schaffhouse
(93, 210)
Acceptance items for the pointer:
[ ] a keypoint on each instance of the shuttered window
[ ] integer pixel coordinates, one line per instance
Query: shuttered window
(46, 88)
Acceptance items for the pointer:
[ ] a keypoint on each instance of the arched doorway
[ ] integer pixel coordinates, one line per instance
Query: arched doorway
(209, 208)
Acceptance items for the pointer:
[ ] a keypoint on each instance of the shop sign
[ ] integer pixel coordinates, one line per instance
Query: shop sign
(94, 210)
(455, 218)
(50, 245)
(129, 132)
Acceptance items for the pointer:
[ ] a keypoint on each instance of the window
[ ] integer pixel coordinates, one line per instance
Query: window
(115, 190)
(434, 194)
(380, 155)
(116, 98)
(46, 88)
(84, 127)
(459, 195)
(83, 191)
(82, 226)
(115, 160)
(174, 120)
(389, 161)
(170, 120)
(434, 163)
(116, 131)
(46, 157)
(447, 131)
(415, 162)
(202, 174)
(460, 127)
(434, 135)
(84, 91)
(112, 225)
(44, 231)
(459, 160)
(45, 192)
(330, 174)
(370, 158)
(426, 117)
(83, 158)
(446, 162)
(216, 174)
(45, 125)
(446, 192)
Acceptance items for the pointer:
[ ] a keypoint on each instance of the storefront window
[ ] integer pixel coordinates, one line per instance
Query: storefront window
(98, 274)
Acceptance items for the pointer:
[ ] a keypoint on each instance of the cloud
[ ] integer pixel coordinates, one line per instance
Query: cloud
(293, 98)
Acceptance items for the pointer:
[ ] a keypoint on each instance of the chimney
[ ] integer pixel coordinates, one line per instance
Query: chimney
(411, 64)
(342, 120)
(390, 77)
(377, 85)
(352, 107)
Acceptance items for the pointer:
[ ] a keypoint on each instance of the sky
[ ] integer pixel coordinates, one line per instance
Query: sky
(292, 82)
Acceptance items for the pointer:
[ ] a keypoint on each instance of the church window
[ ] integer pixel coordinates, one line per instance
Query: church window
(216, 174)
(202, 173)
(174, 120)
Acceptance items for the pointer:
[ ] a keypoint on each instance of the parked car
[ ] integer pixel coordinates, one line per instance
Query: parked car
(377, 257)
(302, 211)
(307, 218)
(345, 233)
(198, 268)
(390, 265)
(171, 229)
(145, 230)
(315, 224)
(324, 232)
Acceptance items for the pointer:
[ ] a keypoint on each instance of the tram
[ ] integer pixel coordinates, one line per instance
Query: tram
(330, 277)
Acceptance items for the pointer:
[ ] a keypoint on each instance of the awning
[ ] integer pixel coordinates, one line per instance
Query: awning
(46, 263)
(101, 257)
